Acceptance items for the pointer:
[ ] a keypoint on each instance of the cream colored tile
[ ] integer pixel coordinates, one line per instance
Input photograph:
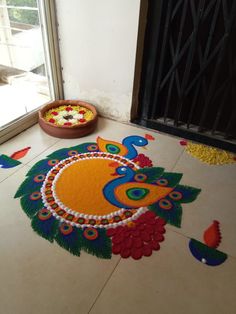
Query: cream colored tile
(10, 210)
(39, 277)
(5, 173)
(170, 281)
(164, 151)
(34, 137)
(217, 200)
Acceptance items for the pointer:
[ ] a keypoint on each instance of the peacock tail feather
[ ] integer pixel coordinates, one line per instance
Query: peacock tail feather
(152, 174)
(29, 206)
(46, 228)
(100, 247)
(30, 184)
(169, 208)
(69, 242)
(67, 152)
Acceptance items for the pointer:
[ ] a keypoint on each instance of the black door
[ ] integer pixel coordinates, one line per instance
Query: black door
(188, 76)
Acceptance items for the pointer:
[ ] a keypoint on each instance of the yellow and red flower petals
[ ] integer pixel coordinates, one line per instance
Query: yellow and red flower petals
(52, 120)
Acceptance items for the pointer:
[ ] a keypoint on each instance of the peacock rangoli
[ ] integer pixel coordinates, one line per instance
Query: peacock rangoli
(104, 197)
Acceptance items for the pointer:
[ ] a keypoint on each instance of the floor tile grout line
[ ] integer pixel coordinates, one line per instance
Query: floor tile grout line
(42, 151)
(103, 287)
(178, 159)
(22, 166)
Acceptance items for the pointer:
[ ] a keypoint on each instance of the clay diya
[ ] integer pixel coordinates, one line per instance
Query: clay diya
(68, 118)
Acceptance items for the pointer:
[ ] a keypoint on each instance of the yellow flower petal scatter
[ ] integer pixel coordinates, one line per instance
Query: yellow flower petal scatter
(210, 155)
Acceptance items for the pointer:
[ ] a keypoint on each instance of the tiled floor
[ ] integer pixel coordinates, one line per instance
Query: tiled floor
(37, 277)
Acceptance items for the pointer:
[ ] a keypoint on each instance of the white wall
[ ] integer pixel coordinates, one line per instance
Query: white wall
(98, 46)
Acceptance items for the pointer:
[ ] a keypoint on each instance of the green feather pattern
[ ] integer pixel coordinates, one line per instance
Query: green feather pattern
(69, 242)
(30, 207)
(152, 173)
(45, 228)
(100, 247)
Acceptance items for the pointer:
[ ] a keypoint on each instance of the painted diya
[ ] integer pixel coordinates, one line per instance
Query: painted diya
(103, 198)
(68, 118)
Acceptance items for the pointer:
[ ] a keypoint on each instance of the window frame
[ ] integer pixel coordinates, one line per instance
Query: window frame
(49, 25)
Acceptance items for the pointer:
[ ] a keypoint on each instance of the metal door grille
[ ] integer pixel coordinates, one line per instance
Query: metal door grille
(189, 70)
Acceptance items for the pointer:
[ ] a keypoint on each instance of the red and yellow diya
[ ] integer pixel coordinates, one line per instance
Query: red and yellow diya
(103, 197)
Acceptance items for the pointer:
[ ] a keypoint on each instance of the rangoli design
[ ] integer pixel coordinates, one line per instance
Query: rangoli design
(12, 161)
(207, 252)
(103, 197)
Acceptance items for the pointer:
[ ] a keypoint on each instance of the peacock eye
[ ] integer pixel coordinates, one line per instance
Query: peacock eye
(140, 141)
(123, 169)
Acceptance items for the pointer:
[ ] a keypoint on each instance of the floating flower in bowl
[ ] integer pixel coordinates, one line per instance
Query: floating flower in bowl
(68, 118)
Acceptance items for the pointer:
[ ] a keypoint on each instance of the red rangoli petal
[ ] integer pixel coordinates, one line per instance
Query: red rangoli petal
(136, 233)
(125, 253)
(128, 243)
(159, 229)
(161, 221)
(137, 243)
(145, 236)
(149, 229)
(158, 237)
(136, 253)
(118, 238)
(116, 248)
(147, 250)
(150, 215)
(111, 232)
(155, 245)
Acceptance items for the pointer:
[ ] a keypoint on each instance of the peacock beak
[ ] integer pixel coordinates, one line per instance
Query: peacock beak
(144, 147)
